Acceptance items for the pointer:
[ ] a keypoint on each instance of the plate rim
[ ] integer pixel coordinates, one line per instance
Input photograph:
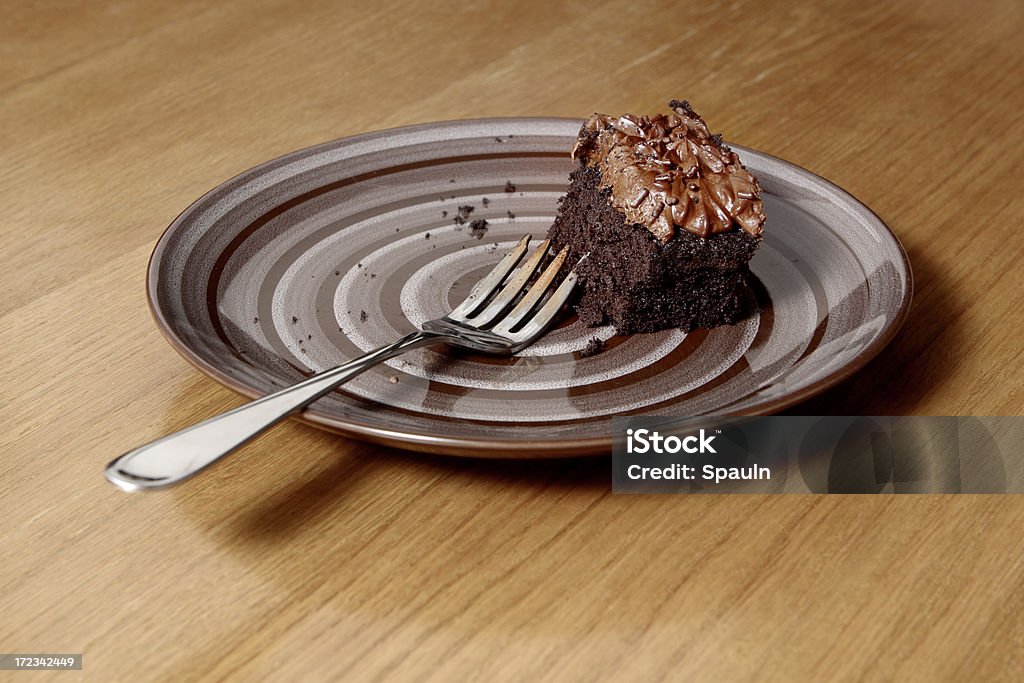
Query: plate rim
(502, 448)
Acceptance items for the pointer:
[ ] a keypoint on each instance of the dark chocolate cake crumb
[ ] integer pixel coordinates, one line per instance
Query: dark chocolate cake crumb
(509, 187)
(511, 216)
(463, 215)
(444, 214)
(294, 320)
(681, 104)
(486, 202)
(452, 180)
(337, 273)
(309, 336)
(593, 347)
(256, 319)
(359, 265)
(427, 236)
(363, 317)
(478, 228)
(716, 140)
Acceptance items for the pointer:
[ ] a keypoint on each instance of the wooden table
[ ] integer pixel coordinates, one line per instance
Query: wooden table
(315, 557)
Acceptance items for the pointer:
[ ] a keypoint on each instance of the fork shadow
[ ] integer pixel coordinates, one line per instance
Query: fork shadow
(304, 501)
(296, 475)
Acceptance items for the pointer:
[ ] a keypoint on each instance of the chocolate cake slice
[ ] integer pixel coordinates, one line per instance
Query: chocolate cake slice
(670, 218)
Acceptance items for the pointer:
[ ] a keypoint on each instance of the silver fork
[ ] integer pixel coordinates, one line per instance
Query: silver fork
(478, 323)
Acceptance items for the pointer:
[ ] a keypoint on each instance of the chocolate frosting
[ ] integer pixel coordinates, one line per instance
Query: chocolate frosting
(668, 171)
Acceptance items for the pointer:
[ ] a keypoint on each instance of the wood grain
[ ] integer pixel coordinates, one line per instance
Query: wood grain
(312, 557)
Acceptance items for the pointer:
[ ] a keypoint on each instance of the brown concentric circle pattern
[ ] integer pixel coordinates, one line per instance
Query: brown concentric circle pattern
(319, 256)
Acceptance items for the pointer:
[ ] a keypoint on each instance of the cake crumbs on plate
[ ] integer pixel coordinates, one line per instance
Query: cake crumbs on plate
(463, 215)
(478, 228)
(593, 347)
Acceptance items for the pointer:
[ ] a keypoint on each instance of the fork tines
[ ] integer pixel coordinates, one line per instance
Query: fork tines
(496, 292)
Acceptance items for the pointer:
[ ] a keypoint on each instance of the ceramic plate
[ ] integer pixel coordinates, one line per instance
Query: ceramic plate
(319, 256)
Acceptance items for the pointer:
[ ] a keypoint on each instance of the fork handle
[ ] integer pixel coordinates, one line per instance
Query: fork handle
(182, 454)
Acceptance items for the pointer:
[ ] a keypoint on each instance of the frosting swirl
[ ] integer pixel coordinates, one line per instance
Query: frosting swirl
(668, 171)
